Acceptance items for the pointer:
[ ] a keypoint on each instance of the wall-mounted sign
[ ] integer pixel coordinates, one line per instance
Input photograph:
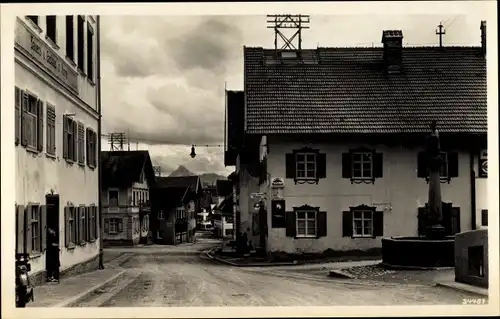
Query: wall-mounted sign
(483, 163)
(257, 195)
(278, 214)
(277, 182)
(30, 43)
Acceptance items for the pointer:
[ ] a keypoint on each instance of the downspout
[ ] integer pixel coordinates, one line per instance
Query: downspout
(99, 124)
(472, 191)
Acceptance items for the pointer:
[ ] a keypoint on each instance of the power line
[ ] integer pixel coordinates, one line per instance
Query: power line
(453, 21)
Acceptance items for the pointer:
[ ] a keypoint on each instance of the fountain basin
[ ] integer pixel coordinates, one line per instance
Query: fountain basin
(418, 252)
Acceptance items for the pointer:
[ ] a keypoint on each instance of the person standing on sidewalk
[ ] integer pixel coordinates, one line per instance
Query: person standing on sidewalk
(52, 260)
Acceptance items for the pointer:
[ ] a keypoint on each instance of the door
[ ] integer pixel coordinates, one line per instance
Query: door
(52, 259)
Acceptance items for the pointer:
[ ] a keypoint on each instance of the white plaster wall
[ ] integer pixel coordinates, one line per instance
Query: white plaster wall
(399, 186)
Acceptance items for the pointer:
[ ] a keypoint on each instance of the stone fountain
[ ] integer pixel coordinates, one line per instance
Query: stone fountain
(435, 249)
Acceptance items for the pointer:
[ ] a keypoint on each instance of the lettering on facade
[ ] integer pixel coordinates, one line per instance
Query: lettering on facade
(48, 58)
(483, 163)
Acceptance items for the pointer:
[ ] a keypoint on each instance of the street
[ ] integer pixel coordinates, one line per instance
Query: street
(183, 277)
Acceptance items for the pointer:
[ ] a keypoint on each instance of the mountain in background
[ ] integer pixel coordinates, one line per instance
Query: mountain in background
(206, 178)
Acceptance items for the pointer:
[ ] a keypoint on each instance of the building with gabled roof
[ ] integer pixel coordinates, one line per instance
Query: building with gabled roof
(127, 178)
(334, 138)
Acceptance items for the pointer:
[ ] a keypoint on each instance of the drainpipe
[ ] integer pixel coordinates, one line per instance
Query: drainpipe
(99, 124)
(472, 191)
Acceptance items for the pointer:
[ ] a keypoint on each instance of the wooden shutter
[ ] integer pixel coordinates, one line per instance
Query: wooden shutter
(422, 218)
(347, 224)
(378, 165)
(20, 234)
(87, 224)
(24, 124)
(484, 217)
(65, 137)
(67, 233)
(422, 165)
(43, 228)
(29, 208)
(87, 145)
(80, 139)
(106, 226)
(321, 165)
(453, 164)
(346, 165)
(321, 224)
(75, 141)
(39, 134)
(291, 228)
(378, 223)
(17, 104)
(290, 166)
(94, 149)
(97, 222)
(120, 225)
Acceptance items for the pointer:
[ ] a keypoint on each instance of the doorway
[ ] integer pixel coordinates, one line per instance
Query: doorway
(52, 258)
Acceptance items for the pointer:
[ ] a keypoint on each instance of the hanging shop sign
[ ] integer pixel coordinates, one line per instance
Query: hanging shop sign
(278, 214)
(277, 182)
(483, 163)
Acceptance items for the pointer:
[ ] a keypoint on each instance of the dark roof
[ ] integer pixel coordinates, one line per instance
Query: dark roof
(182, 182)
(345, 90)
(123, 168)
(224, 187)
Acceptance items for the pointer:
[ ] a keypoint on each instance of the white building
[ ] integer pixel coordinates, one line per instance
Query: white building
(56, 114)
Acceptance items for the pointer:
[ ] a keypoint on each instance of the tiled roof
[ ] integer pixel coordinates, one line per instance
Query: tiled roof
(178, 182)
(122, 168)
(345, 90)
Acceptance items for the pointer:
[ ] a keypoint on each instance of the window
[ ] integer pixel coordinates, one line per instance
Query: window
(90, 52)
(83, 226)
(159, 234)
(33, 18)
(51, 129)
(35, 227)
(31, 118)
(134, 201)
(92, 222)
(306, 223)
(484, 217)
(362, 165)
(113, 225)
(91, 148)
(51, 22)
(71, 226)
(81, 42)
(449, 165)
(161, 214)
(113, 198)
(70, 38)
(80, 143)
(362, 223)
(70, 139)
(306, 165)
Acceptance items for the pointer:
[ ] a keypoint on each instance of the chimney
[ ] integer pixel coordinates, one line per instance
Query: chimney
(393, 50)
(483, 38)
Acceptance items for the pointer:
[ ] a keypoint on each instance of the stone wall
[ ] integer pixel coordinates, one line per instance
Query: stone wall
(471, 257)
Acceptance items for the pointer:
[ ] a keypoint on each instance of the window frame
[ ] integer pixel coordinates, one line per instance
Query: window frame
(117, 198)
(72, 224)
(34, 19)
(90, 52)
(31, 127)
(305, 162)
(80, 31)
(361, 162)
(161, 214)
(47, 26)
(71, 139)
(363, 219)
(36, 231)
(70, 36)
(306, 219)
(113, 221)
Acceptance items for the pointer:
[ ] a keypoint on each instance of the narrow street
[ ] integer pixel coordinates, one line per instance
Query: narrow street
(183, 277)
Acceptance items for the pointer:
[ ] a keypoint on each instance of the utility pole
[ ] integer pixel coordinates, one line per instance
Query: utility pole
(440, 33)
(279, 22)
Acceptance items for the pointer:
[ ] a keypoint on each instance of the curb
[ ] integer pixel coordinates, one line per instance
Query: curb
(79, 297)
(399, 267)
(211, 256)
(340, 274)
(464, 288)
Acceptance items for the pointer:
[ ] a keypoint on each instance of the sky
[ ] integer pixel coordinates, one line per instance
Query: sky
(163, 77)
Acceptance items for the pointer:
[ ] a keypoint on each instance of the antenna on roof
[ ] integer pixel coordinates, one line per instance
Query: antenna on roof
(288, 21)
(116, 141)
(441, 32)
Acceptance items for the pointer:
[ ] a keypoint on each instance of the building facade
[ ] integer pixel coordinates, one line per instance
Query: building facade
(56, 114)
(345, 166)
(127, 179)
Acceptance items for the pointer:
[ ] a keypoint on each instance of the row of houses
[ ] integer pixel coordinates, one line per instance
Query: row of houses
(327, 143)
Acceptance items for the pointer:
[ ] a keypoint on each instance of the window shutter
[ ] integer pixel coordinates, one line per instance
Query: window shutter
(378, 223)
(321, 162)
(347, 224)
(94, 149)
(422, 165)
(21, 238)
(65, 137)
(106, 226)
(96, 222)
(81, 140)
(24, 133)
(120, 225)
(290, 224)
(453, 164)
(484, 217)
(322, 224)
(39, 104)
(17, 104)
(81, 225)
(87, 145)
(88, 225)
(75, 141)
(346, 165)
(290, 166)
(43, 228)
(29, 208)
(67, 234)
(378, 165)
(422, 215)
